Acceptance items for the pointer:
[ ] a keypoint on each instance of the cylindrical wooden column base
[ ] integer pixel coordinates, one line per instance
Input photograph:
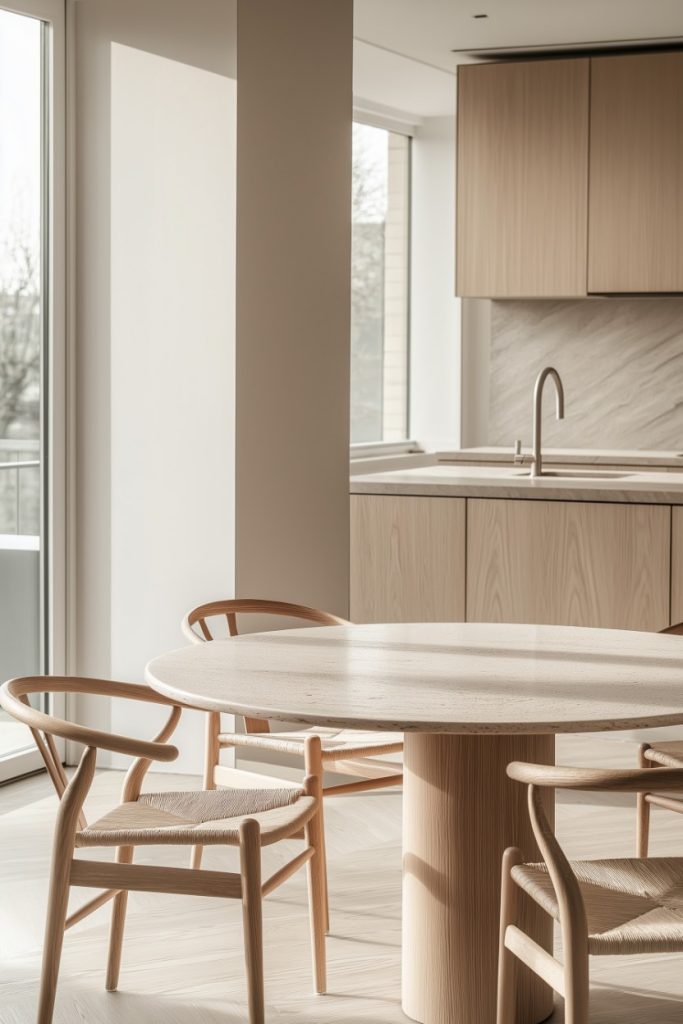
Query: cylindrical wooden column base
(460, 812)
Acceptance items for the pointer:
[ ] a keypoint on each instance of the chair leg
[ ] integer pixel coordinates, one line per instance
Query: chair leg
(642, 810)
(58, 900)
(250, 863)
(576, 978)
(317, 889)
(70, 810)
(507, 962)
(124, 855)
(313, 760)
(212, 752)
(576, 1002)
(322, 863)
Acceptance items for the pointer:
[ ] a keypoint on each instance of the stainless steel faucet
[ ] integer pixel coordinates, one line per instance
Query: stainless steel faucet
(550, 371)
(537, 456)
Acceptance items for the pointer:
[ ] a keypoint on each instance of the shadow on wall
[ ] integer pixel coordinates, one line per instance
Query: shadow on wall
(156, 123)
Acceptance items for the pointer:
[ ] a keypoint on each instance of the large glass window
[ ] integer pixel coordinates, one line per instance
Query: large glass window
(28, 325)
(20, 272)
(379, 285)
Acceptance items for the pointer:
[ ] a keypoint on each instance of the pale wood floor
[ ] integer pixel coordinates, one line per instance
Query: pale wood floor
(182, 959)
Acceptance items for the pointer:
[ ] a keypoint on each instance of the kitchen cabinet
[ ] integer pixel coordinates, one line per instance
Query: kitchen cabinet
(407, 559)
(522, 172)
(570, 177)
(568, 563)
(636, 174)
(676, 565)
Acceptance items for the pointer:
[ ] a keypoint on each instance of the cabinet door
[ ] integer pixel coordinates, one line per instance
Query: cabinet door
(407, 559)
(568, 563)
(522, 179)
(636, 174)
(676, 565)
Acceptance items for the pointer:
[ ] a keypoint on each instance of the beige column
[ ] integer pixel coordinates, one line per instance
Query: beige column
(294, 113)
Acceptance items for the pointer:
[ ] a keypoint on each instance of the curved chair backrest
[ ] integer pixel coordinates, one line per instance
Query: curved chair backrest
(14, 696)
(538, 777)
(676, 630)
(231, 608)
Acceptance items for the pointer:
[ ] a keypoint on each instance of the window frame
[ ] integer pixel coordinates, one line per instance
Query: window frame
(376, 116)
(55, 434)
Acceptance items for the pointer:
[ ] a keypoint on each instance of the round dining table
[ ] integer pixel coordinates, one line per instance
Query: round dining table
(470, 698)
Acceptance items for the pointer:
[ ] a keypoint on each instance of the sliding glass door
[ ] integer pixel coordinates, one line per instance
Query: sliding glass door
(32, 313)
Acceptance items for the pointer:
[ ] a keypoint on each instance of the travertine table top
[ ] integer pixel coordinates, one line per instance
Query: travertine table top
(436, 677)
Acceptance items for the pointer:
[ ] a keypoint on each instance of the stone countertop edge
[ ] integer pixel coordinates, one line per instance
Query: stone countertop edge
(643, 488)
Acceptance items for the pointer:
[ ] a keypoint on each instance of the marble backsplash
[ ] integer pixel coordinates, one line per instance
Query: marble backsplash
(621, 363)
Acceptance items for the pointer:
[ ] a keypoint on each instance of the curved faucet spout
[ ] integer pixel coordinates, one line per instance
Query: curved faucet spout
(549, 371)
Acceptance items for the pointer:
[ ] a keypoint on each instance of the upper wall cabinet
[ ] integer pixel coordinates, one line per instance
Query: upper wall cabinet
(636, 174)
(537, 216)
(522, 166)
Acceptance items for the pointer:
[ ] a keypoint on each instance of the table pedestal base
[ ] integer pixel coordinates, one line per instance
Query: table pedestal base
(460, 812)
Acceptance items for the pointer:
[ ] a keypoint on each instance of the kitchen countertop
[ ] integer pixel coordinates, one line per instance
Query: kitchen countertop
(462, 481)
(573, 456)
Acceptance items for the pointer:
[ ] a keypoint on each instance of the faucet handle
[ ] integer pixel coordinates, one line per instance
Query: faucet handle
(520, 458)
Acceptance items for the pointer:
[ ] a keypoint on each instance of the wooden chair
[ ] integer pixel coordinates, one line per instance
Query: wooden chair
(344, 751)
(248, 819)
(604, 907)
(667, 754)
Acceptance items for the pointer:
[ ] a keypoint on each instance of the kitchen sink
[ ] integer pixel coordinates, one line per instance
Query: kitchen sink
(578, 474)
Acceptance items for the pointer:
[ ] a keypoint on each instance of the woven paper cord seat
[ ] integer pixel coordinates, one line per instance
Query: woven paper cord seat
(206, 816)
(632, 906)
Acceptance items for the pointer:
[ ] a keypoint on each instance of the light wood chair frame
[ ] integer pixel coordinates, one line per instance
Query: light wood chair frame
(569, 979)
(117, 879)
(356, 761)
(647, 800)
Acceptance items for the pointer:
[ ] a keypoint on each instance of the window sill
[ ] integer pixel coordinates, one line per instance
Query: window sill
(361, 465)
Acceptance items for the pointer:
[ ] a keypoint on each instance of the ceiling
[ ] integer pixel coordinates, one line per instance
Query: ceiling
(429, 30)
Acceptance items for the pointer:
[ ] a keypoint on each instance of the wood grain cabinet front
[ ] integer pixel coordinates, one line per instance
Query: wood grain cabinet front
(568, 563)
(676, 565)
(570, 177)
(636, 174)
(407, 559)
(522, 178)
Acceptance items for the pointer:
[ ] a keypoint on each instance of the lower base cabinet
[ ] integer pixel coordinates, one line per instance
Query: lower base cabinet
(572, 563)
(407, 558)
(568, 563)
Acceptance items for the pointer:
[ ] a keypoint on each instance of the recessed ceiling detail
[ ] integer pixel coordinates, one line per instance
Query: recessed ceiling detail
(444, 33)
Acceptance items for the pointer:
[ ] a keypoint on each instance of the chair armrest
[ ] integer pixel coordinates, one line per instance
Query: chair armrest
(624, 780)
(13, 696)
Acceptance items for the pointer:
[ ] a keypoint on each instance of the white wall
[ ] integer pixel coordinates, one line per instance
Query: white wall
(155, 208)
(172, 357)
(435, 311)
(169, 434)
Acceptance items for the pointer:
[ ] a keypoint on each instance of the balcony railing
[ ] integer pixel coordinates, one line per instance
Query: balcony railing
(20, 592)
(19, 487)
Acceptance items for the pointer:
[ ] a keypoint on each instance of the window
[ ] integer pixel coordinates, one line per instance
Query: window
(20, 273)
(31, 343)
(379, 285)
